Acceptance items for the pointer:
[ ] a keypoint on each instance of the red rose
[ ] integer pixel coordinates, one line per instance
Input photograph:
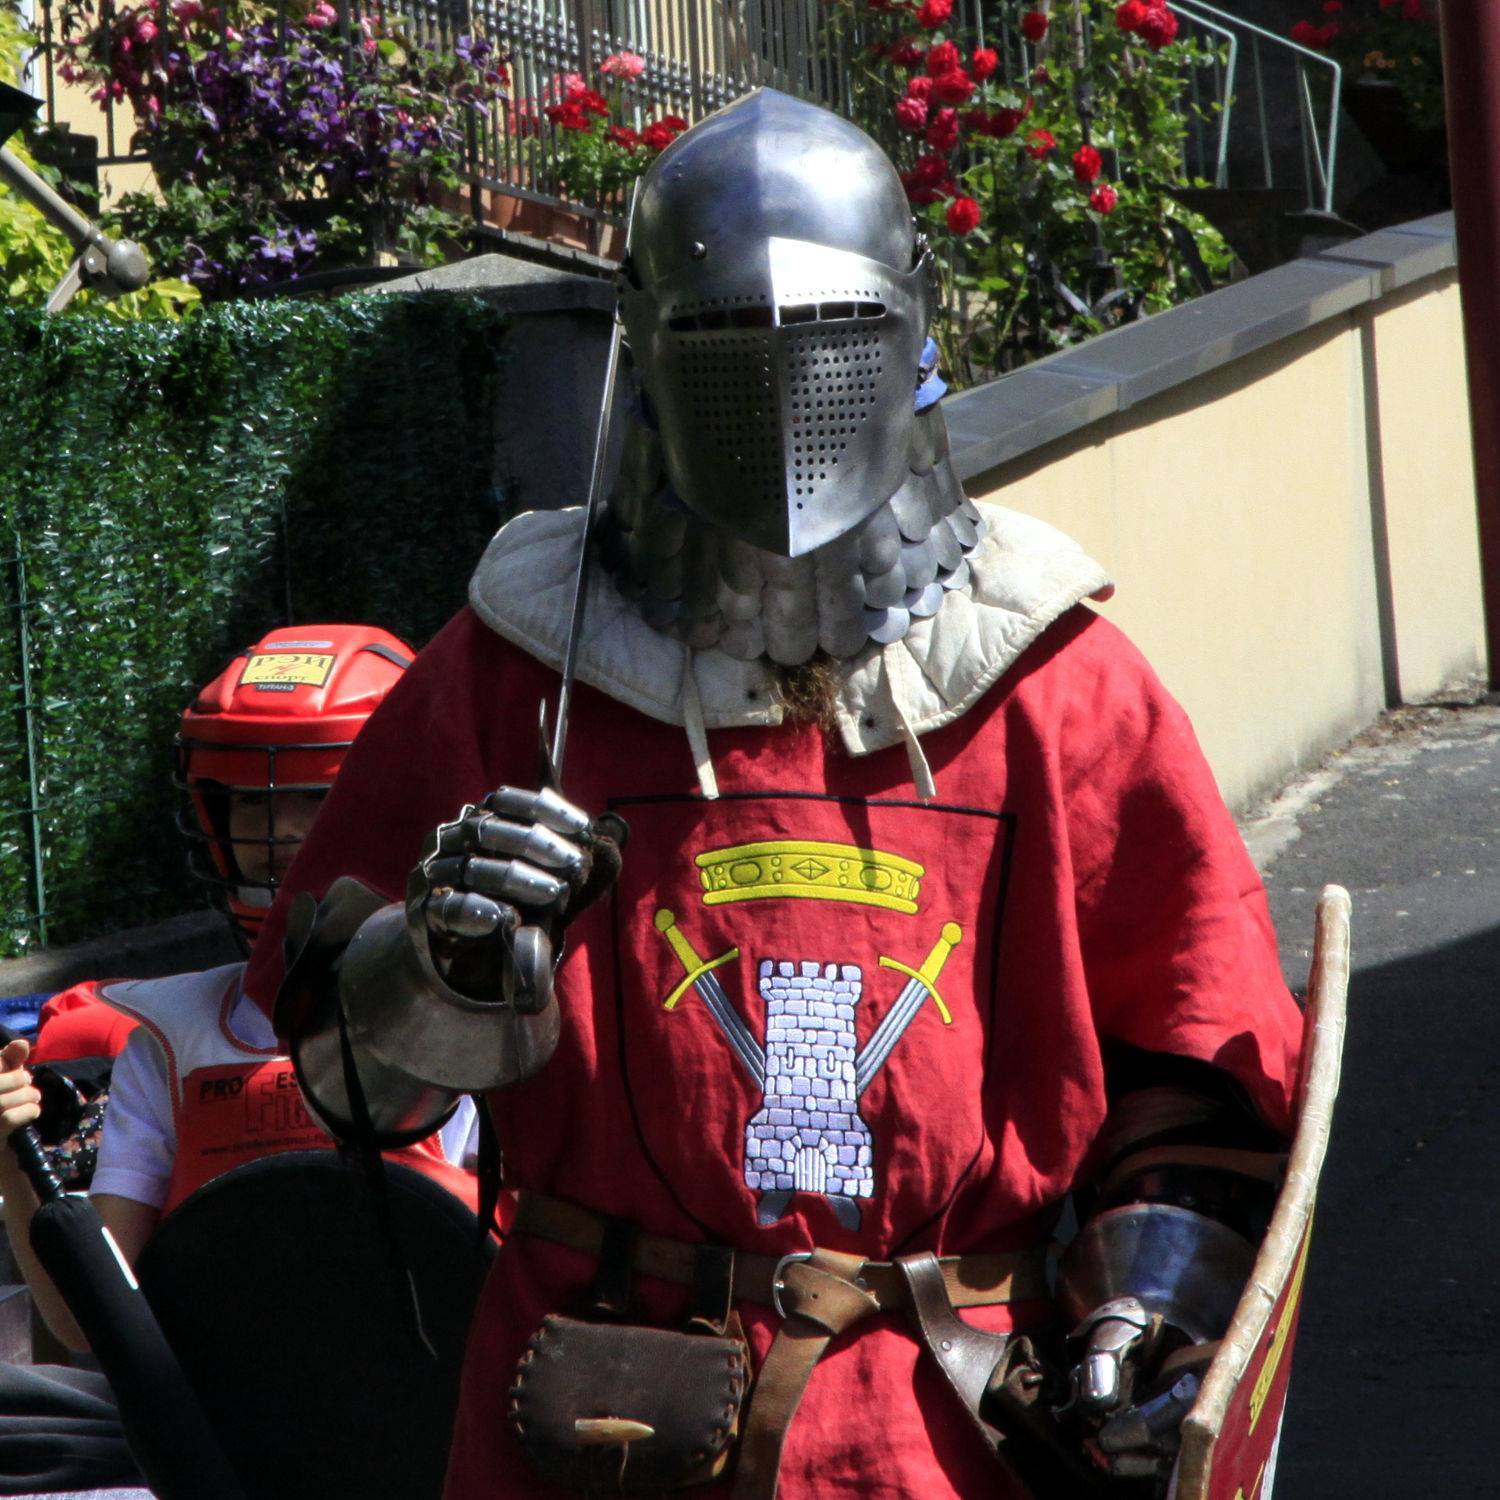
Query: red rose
(1034, 25)
(1040, 144)
(911, 114)
(1128, 17)
(1332, 7)
(593, 103)
(942, 133)
(623, 135)
(1039, 74)
(1103, 199)
(919, 87)
(963, 215)
(1327, 34)
(928, 181)
(1158, 28)
(933, 13)
(1005, 122)
(942, 58)
(984, 63)
(1087, 165)
(953, 88)
(675, 123)
(905, 53)
(1305, 34)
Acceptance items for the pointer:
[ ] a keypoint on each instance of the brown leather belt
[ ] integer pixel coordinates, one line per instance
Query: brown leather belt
(818, 1293)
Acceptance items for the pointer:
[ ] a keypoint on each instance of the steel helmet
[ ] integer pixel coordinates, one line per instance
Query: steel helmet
(274, 725)
(777, 298)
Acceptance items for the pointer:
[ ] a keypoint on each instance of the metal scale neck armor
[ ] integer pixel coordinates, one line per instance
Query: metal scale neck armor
(694, 580)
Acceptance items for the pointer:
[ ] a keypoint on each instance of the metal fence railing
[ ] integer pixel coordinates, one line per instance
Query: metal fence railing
(698, 55)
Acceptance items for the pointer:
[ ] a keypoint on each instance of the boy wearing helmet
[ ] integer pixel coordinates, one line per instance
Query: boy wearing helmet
(201, 1086)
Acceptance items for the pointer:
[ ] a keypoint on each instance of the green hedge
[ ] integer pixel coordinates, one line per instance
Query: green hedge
(169, 491)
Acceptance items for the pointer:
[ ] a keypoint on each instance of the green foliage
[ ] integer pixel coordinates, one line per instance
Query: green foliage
(171, 490)
(1037, 248)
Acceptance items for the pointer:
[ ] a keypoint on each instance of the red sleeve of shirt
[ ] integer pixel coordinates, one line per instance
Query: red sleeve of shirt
(423, 754)
(1173, 925)
(77, 1023)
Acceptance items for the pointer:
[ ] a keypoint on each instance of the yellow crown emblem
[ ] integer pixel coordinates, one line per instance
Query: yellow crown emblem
(806, 870)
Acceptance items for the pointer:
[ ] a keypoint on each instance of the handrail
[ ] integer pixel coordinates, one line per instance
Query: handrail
(1320, 160)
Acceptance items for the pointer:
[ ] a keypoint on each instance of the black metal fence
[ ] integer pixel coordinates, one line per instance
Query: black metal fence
(697, 54)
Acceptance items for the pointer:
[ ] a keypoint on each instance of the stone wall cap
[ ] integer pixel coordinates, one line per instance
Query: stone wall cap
(1008, 417)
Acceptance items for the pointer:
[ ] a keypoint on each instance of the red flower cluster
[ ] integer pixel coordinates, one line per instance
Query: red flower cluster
(1411, 10)
(963, 216)
(1150, 20)
(1034, 25)
(579, 106)
(1103, 199)
(929, 181)
(905, 53)
(942, 58)
(1087, 165)
(934, 13)
(997, 123)
(660, 134)
(942, 133)
(622, 135)
(984, 63)
(1306, 34)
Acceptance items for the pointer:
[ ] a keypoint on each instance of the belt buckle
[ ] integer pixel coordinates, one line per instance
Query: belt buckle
(777, 1281)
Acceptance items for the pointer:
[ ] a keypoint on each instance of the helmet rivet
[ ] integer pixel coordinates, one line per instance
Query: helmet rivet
(697, 249)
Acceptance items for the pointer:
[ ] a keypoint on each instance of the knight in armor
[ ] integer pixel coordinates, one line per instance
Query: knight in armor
(200, 1085)
(929, 917)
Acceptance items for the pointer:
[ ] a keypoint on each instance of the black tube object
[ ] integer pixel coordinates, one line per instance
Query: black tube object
(176, 1450)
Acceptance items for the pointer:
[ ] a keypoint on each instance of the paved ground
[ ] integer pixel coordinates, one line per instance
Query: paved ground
(1393, 1395)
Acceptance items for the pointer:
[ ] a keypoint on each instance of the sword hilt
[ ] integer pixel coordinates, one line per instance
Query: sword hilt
(687, 956)
(932, 966)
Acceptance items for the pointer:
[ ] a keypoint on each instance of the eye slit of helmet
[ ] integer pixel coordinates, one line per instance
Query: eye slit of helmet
(752, 317)
(801, 312)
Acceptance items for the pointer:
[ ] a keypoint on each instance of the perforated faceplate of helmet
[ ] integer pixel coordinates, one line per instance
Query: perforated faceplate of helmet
(777, 301)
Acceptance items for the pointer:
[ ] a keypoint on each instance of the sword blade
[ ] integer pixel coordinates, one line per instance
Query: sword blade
(885, 1036)
(736, 1033)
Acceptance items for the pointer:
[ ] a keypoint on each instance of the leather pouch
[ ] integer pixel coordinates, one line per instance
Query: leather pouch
(616, 1407)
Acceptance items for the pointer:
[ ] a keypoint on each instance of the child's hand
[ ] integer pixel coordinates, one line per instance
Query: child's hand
(20, 1101)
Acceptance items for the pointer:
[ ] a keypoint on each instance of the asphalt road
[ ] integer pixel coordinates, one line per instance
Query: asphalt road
(1394, 1389)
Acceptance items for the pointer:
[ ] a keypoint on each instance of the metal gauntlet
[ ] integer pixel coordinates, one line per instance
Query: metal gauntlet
(1155, 1274)
(449, 992)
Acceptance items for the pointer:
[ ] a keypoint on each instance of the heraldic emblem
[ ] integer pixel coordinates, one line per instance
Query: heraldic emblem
(808, 1136)
(805, 993)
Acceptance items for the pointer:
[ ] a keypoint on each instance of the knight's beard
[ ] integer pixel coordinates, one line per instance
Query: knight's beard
(809, 693)
(692, 581)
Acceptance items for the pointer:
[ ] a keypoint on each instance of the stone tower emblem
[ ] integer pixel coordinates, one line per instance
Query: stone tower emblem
(808, 1136)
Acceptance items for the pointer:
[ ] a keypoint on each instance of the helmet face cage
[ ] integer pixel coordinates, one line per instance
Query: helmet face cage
(241, 868)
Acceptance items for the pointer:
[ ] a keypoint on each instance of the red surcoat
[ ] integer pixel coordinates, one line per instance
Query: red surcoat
(909, 1000)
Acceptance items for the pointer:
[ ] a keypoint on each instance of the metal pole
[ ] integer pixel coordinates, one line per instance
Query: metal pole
(1471, 72)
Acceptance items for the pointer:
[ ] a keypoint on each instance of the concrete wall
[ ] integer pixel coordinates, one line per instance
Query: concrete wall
(1279, 479)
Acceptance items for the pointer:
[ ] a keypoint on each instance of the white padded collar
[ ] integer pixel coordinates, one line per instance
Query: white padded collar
(1025, 574)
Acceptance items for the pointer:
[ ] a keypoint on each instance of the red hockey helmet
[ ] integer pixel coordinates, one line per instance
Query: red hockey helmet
(262, 743)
